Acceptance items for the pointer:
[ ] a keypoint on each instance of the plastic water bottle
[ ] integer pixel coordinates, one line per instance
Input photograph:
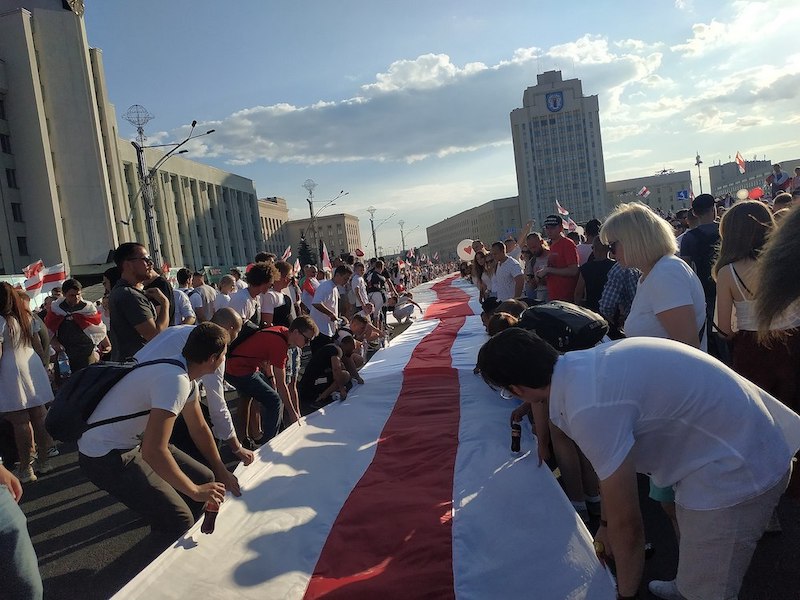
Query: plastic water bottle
(210, 511)
(64, 370)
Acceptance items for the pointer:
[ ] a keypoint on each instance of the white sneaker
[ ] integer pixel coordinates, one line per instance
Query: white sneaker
(53, 451)
(25, 475)
(668, 590)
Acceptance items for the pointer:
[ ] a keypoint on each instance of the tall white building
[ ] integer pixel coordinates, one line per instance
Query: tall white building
(558, 150)
(68, 183)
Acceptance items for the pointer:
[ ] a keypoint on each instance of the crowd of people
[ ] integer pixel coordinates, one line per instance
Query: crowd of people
(700, 389)
(287, 345)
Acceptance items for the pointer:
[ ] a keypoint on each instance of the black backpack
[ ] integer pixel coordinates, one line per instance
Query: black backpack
(564, 326)
(79, 396)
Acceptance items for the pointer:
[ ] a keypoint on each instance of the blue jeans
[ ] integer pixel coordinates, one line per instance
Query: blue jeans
(19, 567)
(257, 387)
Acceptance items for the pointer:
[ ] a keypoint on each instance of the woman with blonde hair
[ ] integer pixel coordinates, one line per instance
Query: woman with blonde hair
(24, 385)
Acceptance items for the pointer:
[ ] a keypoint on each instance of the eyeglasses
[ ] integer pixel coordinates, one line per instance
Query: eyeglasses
(306, 338)
(146, 259)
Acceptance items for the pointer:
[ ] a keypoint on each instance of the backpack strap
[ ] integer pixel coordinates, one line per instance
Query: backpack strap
(159, 361)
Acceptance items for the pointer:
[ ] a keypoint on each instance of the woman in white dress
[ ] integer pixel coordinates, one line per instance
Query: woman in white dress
(24, 385)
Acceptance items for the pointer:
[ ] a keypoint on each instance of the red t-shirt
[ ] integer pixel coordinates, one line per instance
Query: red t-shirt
(268, 345)
(563, 253)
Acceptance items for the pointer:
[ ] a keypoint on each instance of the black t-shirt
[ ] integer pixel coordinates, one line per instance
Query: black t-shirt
(595, 275)
(319, 373)
(166, 289)
(129, 307)
(375, 282)
(700, 245)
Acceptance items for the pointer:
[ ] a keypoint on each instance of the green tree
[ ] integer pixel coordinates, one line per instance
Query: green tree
(306, 257)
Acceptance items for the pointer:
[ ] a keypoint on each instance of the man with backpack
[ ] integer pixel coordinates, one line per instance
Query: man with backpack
(699, 249)
(126, 452)
(256, 367)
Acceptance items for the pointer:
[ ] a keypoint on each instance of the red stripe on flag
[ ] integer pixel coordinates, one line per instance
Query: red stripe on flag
(393, 535)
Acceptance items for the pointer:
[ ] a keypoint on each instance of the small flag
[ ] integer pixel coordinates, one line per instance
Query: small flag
(572, 225)
(287, 253)
(44, 281)
(740, 163)
(435, 256)
(410, 253)
(401, 263)
(296, 269)
(561, 210)
(643, 193)
(33, 268)
(359, 253)
(326, 260)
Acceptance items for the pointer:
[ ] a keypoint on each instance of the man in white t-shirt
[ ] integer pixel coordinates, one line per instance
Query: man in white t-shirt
(309, 285)
(132, 459)
(184, 313)
(325, 306)
(637, 417)
(259, 280)
(508, 279)
(359, 287)
(207, 295)
(184, 277)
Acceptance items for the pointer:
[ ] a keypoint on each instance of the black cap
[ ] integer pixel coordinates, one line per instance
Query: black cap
(552, 221)
(702, 204)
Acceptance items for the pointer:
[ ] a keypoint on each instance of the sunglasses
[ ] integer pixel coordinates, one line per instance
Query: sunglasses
(146, 259)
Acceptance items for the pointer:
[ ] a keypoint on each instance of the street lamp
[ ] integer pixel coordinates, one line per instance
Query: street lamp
(137, 115)
(402, 237)
(697, 163)
(371, 210)
(310, 185)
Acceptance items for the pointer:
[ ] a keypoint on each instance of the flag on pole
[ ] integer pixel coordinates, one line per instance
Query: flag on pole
(643, 193)
(296, 269)
(287, 253)
(410, 253)
(43, 281)
(561, 210)
(572, 225)
(326, 260)
(740, 163)
(435, 256)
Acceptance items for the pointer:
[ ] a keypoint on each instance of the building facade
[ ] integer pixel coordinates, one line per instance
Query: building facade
(558, 150)
(492, 221)
(273, 215)
(726, 179)
(69, 190)
(667, 192)
(340, 232)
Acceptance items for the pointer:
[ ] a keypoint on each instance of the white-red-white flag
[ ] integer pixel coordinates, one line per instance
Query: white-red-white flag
(643, 193)
(33, 268)
(43, 281)
(287, 253)
(572, 225)
(296, 269)
(740, 163)
(326, 260)
(410, 253)
(359, 253)
(401, 263)
(435, 256)
(561, 210)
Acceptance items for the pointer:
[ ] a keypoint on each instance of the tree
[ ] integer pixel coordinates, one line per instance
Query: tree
(305, 255)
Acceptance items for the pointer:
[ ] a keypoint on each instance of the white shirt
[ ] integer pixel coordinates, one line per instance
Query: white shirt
(305, 297)
(207, 295)
(170, 343)
(685, 419)
(670, 284)
(241, 284)
(194, 297)
(183, 306)
(584, 252)
(270, 301)
(221, 301)
(244, 304)
(159, 386)
(503, 281)
(327, 294)
(359, 287)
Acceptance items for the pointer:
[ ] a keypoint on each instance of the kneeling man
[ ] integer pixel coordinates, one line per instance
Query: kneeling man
(723, 443)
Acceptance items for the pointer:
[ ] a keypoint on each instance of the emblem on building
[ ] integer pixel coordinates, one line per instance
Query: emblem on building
(555, 101)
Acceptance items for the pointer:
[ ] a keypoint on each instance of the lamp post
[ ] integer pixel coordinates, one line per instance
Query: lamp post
(402, 237)
(310, 185)
(371, 210)
(697, 163)
(138, 116)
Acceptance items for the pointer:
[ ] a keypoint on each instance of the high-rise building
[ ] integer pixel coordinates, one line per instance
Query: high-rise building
(273, 215)
(69, 189)
(340, 233)
(558, 150)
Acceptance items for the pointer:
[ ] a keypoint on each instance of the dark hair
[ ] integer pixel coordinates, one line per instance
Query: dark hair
(197, 274)
(183, 275)
(124, 252)
(113, 275)
(592, 227)
(499, 245)
(71, 284)
(237, 274)
(260, 273)
(343, 270)
(283, 268)
(261, 257)
(782, 199)
(500, 321)
(517, 357)
(11, 306)
(206, 340)
(304, 324)
(349, 259)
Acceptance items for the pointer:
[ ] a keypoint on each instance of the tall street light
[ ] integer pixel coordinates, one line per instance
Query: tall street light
(402, 237)
(697, 163)
(371, 210)
(138, 116)
(310, 185)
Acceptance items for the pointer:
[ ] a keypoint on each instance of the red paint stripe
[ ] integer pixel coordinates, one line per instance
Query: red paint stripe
(393, 536)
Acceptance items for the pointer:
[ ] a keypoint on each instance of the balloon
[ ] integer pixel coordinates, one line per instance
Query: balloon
(756, 193)
(742, 194)
(464, 250)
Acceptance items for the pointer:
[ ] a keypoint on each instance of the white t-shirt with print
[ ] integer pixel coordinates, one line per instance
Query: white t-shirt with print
(687, 420)
(670, 284)
(162, 386)
(503, 284)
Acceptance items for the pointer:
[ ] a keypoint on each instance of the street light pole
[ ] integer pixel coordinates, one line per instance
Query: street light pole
(402, 237)
(310, 185)
(371, 210)
(697, 163)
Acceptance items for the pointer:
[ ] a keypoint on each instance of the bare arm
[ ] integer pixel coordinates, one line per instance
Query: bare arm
(725, 302)
(283, 391)
(680, 325)
(519, 283)
(580, 290)
(201, 436)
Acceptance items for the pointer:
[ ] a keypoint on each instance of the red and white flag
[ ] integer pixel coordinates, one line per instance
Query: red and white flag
(572, 225)
(740, 163)
(359, 253)
(422, 414)
(33, 268)
(326, 259)
(296, 269)
(561, 210)
(88, 319)
(435, 256)
(410, 253)
(287, 253)
(44, 281)
(643, 193)
(401, 263)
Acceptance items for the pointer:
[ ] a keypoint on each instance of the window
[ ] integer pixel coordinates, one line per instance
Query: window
(22, 245)
(11, 178)
(5, 143)
(16, 211)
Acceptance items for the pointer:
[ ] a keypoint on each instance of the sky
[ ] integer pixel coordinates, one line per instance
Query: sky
(405, 105)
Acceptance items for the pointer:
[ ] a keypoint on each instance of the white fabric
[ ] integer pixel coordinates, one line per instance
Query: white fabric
(359, 288)
(584, 252)
(244, 304)
(195, 299)
(207, 295)
(23, 379)
(688, 420)
(183, 306)
(327, 295)
(267, 542)
(270, 301)
(240, 284)
(158, 386)
(170, 343)
(221, 301)
(670, 284)
(504, 285)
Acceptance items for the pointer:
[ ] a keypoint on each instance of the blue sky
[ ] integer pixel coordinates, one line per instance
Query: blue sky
(406, 105)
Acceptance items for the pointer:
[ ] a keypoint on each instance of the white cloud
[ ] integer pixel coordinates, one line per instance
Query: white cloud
(425, 72)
